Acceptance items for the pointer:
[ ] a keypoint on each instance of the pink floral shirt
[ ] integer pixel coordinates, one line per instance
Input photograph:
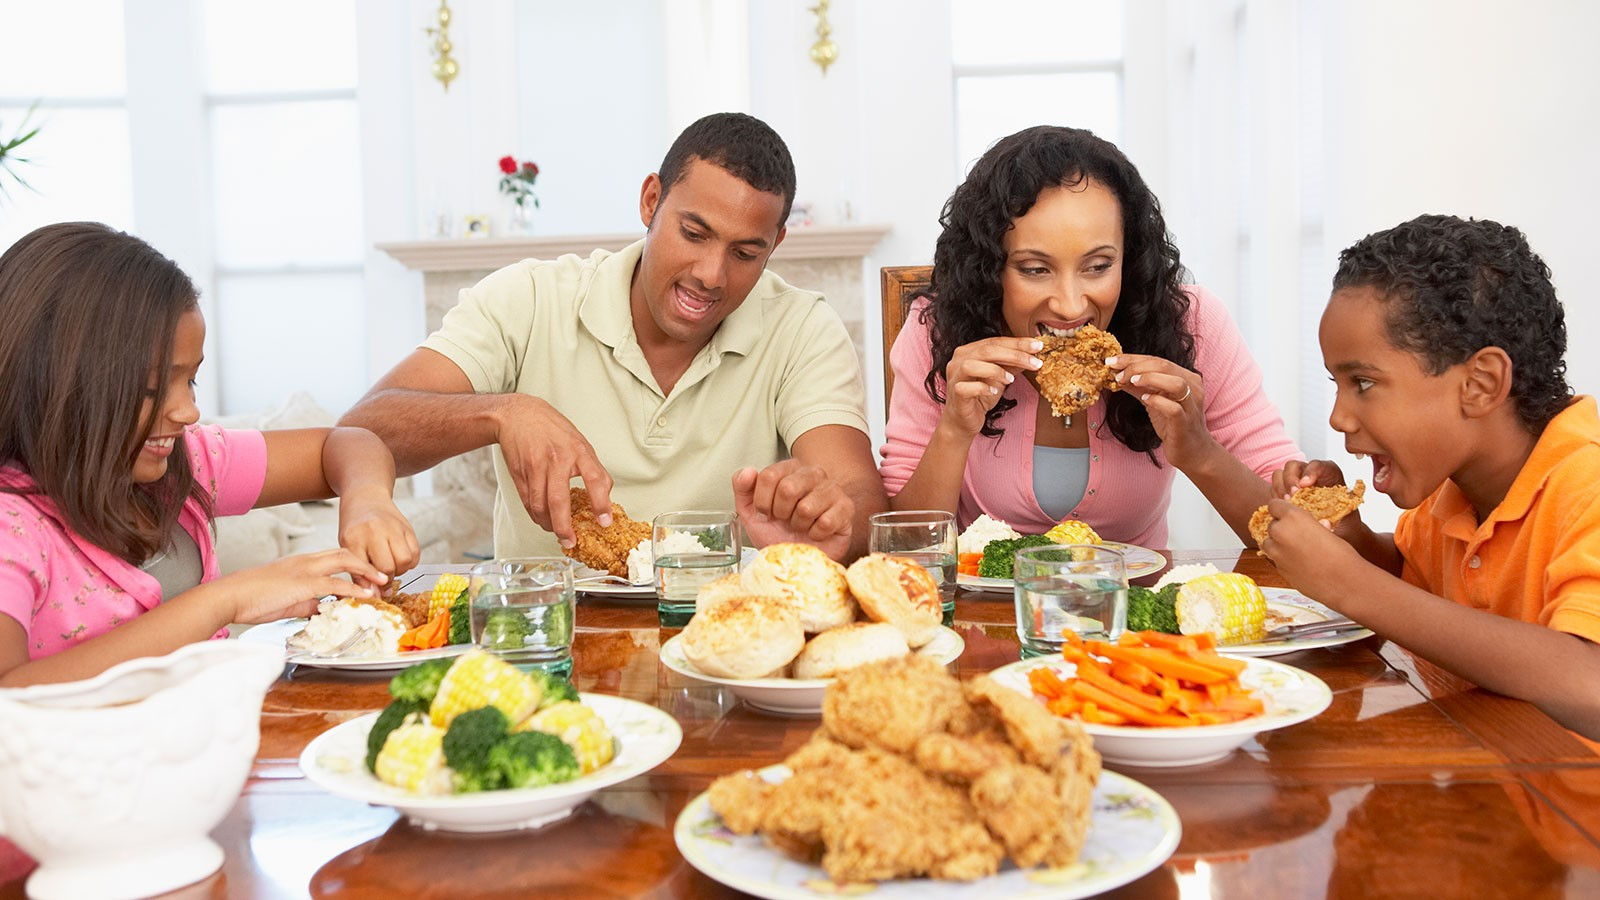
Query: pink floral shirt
(65, 590)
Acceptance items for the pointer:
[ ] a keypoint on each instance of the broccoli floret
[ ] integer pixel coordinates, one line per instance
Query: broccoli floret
(505, 629)
(1153, 610)
(999, 557)
(711, 539)
(552, 688)
(460, 620)
(531, 759)
(420, 682)
(393, 716)
(467, 744)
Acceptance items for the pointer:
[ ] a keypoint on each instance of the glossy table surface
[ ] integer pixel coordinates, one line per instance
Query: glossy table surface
(1412, 784)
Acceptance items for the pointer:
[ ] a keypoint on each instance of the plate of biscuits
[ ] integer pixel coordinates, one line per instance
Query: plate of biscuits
(779, 632)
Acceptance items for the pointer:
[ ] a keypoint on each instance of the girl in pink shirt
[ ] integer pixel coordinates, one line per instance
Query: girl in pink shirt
(108, 487)
(1054, 229)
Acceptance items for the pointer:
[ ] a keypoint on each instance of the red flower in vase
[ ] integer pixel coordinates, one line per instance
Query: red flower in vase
(516, 180)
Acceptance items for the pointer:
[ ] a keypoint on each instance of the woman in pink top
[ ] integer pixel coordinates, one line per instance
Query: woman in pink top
(1054, 229)
(108, 487)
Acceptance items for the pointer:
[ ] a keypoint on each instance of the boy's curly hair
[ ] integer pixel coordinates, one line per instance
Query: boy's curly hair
(965, 294)
(1454, 286)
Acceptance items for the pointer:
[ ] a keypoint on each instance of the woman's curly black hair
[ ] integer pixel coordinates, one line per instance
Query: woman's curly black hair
(1455, 286)
(965, 294)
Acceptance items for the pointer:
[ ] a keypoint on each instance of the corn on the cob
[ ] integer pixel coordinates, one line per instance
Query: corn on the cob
(1228, 605)
(1071, 531)
(413, 758)
(580, 727)
(479, 679)
(445, 591)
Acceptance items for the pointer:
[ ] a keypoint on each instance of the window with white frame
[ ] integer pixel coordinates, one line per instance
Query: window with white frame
(77, 166)
(286, 179)
(278, 217)
(1034, 62)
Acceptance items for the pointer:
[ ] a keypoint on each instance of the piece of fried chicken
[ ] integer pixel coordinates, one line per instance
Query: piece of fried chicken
(1330, 503)
(603, 548)
(1075, 371)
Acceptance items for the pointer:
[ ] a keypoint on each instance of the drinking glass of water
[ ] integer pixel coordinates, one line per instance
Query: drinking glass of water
(691, 549)
(926, 537)
(1068, 587)
(522, 611)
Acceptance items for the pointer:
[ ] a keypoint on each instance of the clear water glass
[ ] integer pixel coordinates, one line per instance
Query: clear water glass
(692, 549)
(926, 537)
(522, 611)
(1068, 587)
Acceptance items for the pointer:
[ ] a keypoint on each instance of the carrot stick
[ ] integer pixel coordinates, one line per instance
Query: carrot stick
(1098, 677)
(1183, 642)
(1164, 662)
(431, 634)
(1088, 693)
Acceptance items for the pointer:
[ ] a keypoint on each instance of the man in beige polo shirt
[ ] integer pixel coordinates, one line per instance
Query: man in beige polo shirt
(676, 373)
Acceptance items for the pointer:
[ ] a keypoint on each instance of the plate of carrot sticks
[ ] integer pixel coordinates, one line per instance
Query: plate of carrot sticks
(1152, 699)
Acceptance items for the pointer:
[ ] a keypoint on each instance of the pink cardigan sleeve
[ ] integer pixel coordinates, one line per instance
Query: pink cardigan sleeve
(1237, 409)
(912, 413)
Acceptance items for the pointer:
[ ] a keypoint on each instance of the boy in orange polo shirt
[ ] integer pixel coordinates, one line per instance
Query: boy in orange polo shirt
(1446, 343)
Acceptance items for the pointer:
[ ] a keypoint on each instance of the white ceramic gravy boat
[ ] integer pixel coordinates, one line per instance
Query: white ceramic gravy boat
(114, 783)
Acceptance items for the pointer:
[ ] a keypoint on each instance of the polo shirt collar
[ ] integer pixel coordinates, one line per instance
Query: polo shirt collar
(612, 322)
(1571, 429)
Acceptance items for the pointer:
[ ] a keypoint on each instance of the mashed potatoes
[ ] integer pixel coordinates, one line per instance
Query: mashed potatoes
(338, 621)
(983, 530)
(642, 561)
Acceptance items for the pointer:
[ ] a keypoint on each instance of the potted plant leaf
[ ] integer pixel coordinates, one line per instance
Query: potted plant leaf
(10, 160)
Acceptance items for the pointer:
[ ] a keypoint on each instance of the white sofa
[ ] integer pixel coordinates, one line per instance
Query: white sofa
(447, 524)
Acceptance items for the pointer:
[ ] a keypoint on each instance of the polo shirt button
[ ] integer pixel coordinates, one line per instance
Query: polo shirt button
(1095, 457)
(1091, 492)
(1475, 562)
(662, 421)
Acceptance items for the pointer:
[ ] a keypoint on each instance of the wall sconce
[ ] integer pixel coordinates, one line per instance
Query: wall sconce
(445, 67)
(824, 51)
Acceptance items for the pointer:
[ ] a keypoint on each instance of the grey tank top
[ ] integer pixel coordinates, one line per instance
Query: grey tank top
(1060, 475)
(177, 567)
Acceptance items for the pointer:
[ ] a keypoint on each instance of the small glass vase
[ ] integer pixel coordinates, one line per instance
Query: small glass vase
(521, 220)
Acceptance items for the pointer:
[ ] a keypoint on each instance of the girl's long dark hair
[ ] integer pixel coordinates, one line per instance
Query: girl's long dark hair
(90, 316)
(965, 294)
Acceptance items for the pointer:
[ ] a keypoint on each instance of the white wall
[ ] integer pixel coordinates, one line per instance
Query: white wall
(1475, 110)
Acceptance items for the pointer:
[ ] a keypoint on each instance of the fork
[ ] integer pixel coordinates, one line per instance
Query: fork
(348, 645)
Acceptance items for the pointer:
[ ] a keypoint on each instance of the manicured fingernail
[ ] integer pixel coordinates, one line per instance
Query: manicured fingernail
(1134, 380)
(1010, 378)
(1036, 346)
(1111, 360)
(568, 544)
(993, 389)
(604, 520)
(1035, 362)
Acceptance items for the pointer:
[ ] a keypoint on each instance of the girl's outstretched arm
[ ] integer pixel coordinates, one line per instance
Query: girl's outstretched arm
(286, 588)
(352, 463)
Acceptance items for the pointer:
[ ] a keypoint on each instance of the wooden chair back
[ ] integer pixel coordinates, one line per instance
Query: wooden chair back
(900, 284)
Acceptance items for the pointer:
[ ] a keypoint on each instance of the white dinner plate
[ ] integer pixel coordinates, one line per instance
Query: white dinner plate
(1290, 607)
(794, 696)
(336, 762)
(1132, 830)
(277, 634)
(635, 591)
(1138, 561)
(1290, 696)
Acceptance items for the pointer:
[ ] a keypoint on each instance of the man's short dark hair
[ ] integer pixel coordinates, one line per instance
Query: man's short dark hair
(742, 145)
(1455, 286)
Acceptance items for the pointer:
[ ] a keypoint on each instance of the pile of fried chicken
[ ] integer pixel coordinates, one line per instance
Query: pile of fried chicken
(600, 547)
(1075, 371)
(915, 774)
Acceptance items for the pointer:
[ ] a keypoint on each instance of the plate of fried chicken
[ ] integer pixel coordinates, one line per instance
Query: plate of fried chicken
(919, 785)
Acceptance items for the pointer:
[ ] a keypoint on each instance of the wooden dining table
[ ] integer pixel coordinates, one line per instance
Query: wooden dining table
(1412, 783)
